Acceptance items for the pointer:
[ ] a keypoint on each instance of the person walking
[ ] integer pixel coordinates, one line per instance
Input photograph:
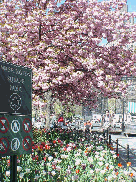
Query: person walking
(87, 128)
(60, 121)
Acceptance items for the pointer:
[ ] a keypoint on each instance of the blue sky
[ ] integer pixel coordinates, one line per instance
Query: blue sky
(131, 5)
(131, 8)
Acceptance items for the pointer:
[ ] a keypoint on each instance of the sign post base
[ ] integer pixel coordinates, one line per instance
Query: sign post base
(13, 168)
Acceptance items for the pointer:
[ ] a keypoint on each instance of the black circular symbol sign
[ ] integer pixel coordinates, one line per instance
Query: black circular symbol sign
(27, 126)
(4, 125)
(15, 102)
(27, 143)
(4, 145)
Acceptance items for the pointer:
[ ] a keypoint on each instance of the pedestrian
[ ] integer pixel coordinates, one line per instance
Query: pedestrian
(87, 127)
(60, 121)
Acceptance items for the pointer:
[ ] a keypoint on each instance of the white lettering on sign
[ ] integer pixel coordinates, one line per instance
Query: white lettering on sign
(15, 126)
(15, 88)
(15, 79)
(15, 70)
(15, 143)
(8, 69)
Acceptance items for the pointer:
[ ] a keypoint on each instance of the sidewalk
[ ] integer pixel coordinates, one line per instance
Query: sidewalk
(131, 141)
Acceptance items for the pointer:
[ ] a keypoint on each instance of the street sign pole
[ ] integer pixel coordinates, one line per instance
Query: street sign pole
(15, 113)
(13, 168)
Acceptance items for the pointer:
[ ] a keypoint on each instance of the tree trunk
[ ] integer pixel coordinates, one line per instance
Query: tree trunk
(48, 108)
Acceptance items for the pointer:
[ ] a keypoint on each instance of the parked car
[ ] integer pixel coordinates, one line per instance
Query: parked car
(118, 125)
(130, 129)
(38, 124)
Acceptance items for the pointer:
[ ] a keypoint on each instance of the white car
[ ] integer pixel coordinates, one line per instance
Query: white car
(118, 125)
(38, 125)
(106, 125)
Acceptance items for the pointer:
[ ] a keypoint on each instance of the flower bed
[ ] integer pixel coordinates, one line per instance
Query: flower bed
(66, 156)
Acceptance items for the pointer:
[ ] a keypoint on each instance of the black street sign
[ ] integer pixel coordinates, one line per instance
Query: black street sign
(15, 135)
(15, 89)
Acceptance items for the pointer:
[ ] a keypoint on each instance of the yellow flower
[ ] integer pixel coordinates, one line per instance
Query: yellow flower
(40, 148)
(129, 164)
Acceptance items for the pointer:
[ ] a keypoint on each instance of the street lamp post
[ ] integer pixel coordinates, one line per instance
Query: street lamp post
(123, 116)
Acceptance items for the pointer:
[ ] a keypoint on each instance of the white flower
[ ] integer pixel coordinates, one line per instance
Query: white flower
(111, 167)
(66, 156)
(56, 153)
(110, 178)
(113, 152)
(114, 156)
(92, 146)
(103, 171)
(68, 171)
(126, 172)
(63, 156)
(42, 164)
(48, 164)
(53, 173)
(97, 153)
(18, 161)
(59, 161)
(96, 156)
(58, 168)
(37, 177)
(27, 170)
(44, 172)
(75, 177)
(100, 163)
(114, 177)
(102, 154)
(50, 158)
(54, 162)
(91, 171)
(101, 158)
(69, 167)
(107, 164)
(78, 161)
(68, 149)
(104, 151)
(99, 148)
(77, 154)
(21, 175)
(90, 159)
(46, 155)
(19, 168)
(79, 150)
(70, 144)
(97, 170)
(89, 148)
(7, 173)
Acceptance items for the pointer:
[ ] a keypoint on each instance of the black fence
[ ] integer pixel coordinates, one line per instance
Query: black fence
(127, 152)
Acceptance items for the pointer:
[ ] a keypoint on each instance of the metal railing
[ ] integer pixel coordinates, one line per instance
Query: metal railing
(128, 151)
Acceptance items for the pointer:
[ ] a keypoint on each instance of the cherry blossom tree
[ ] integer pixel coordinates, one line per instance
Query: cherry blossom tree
(62, 45)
